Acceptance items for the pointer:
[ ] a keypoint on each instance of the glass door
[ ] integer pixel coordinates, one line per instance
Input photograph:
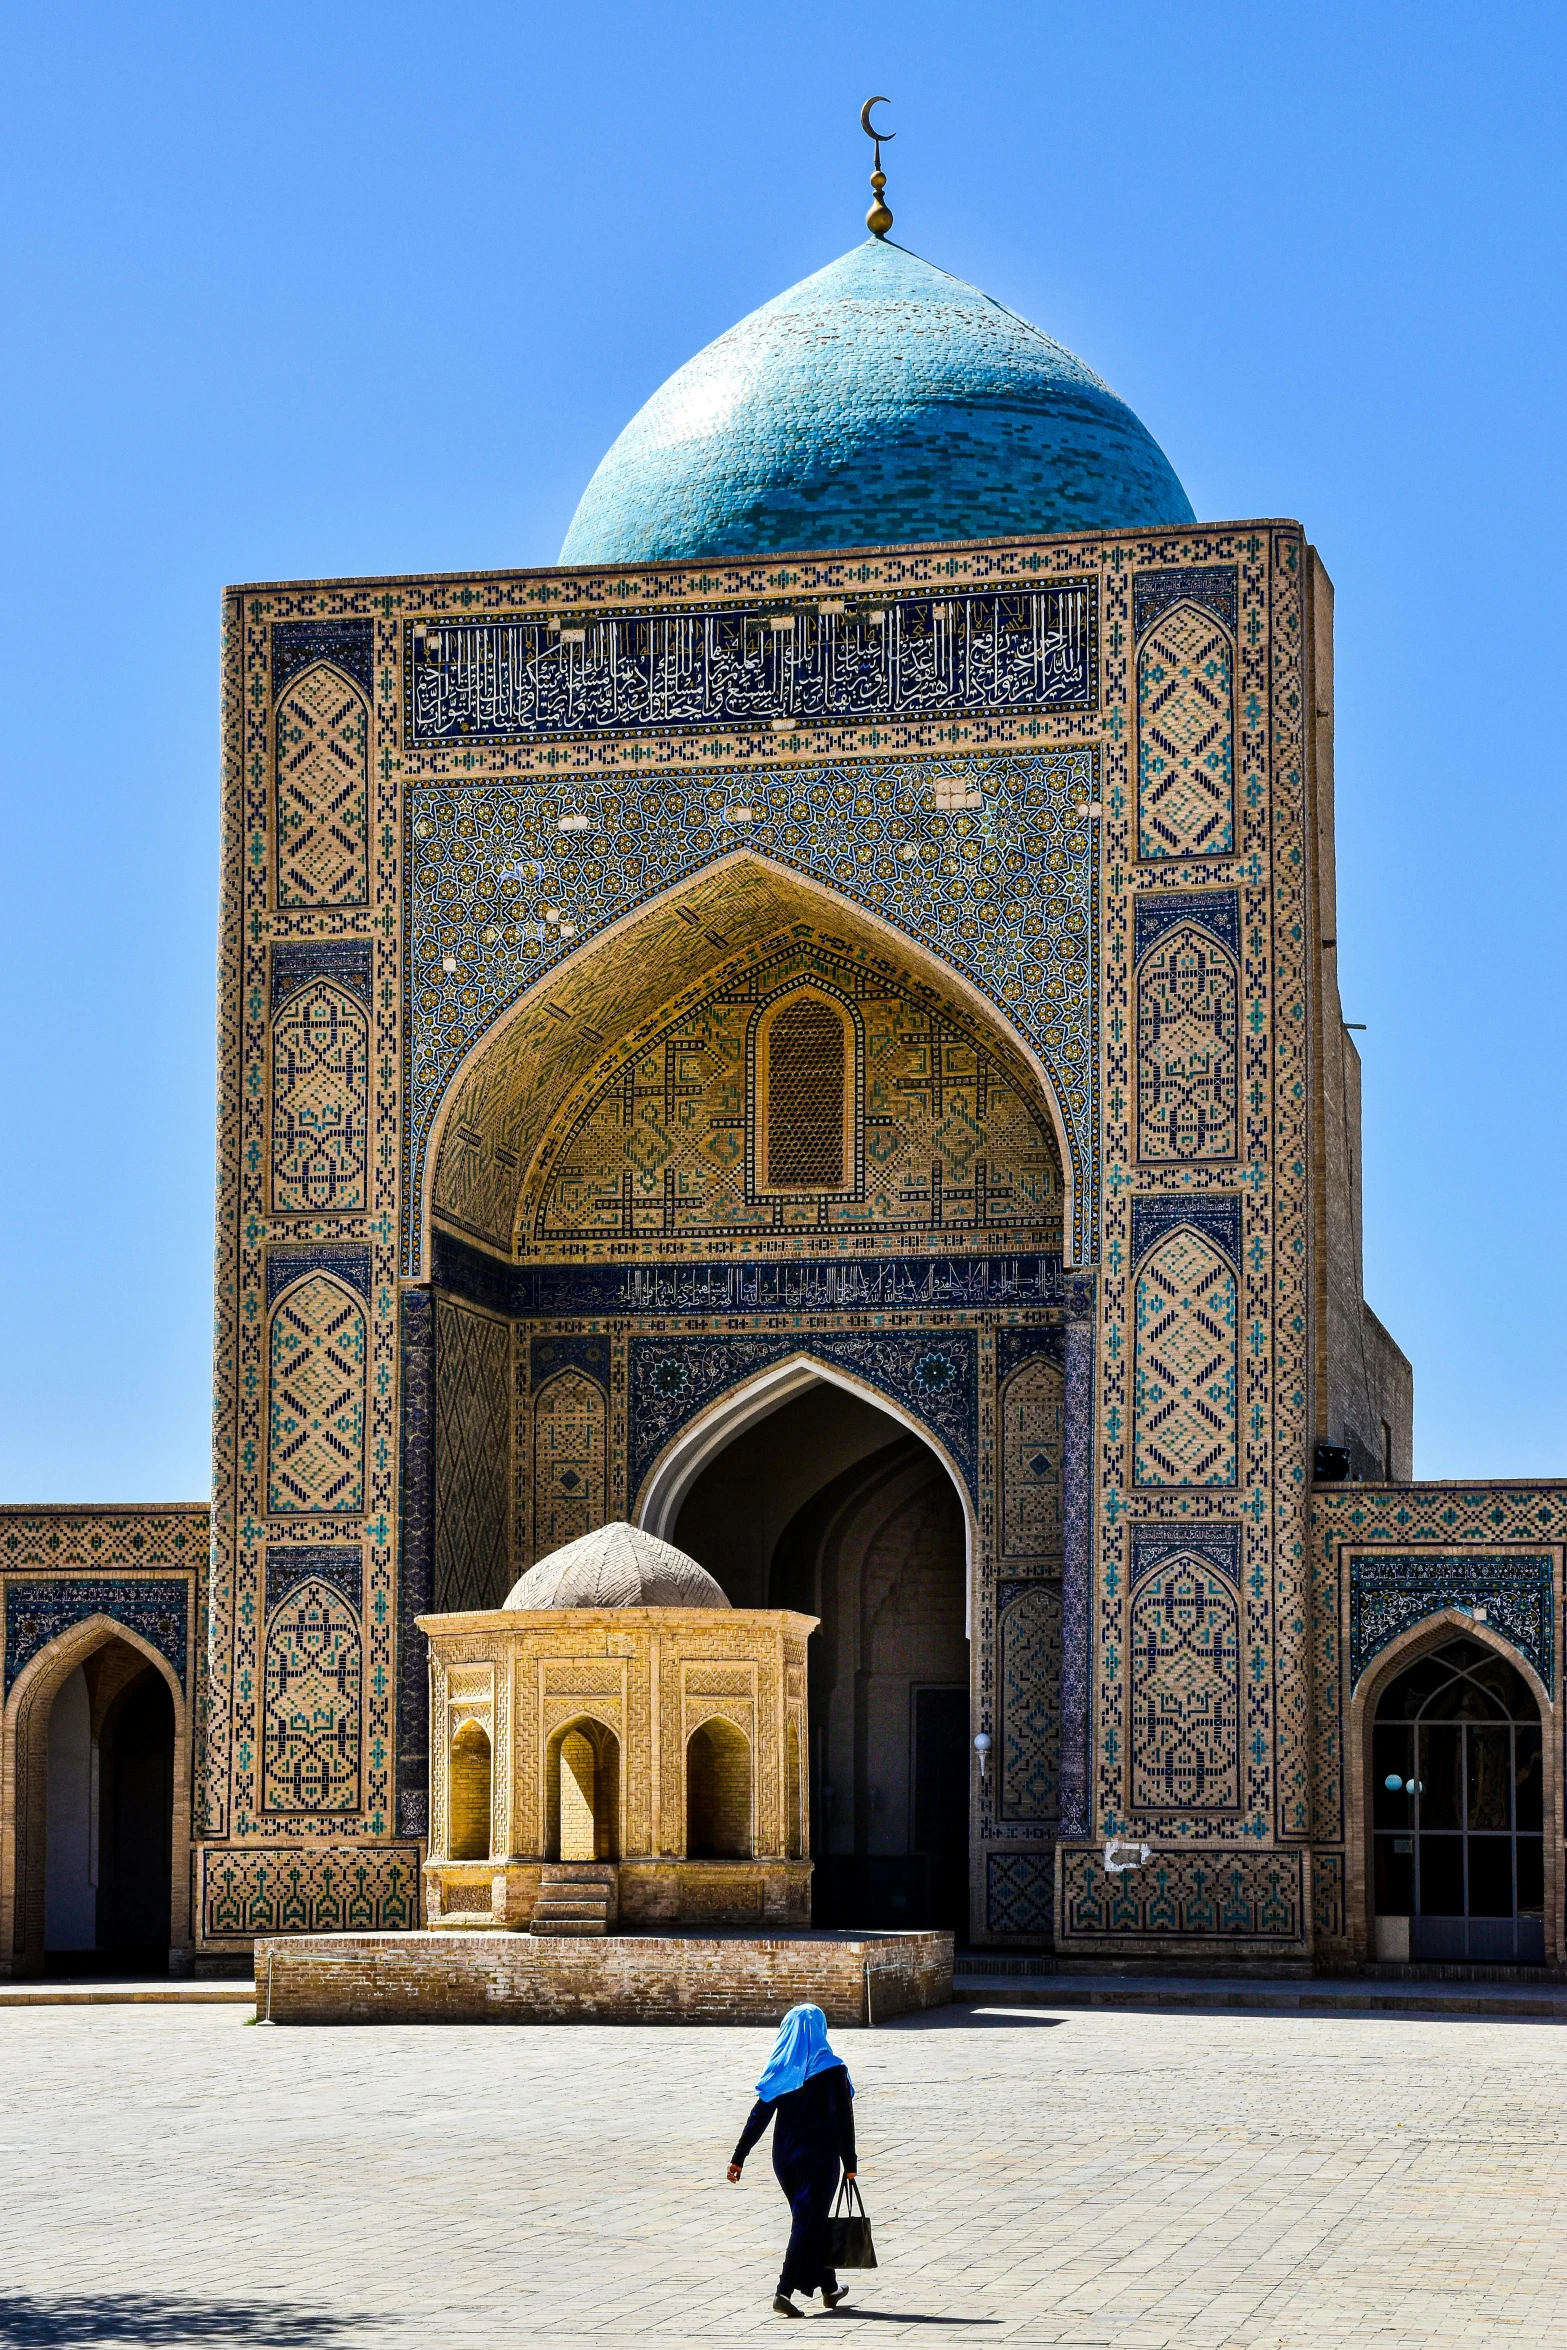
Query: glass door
(1457, 1809)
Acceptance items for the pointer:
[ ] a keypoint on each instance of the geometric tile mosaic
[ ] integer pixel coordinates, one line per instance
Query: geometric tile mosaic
(1188, 1067)
(316, 1392)
(1214, 1895)
(311, 1705)
(320, 1103)
(1185, 737)
(945, 1137)
(1028, 1630)
(1032, 1406)
(570, 1416)
(1019, 1893)
(254, 1889)
(1184, 1430)
(1185, 1689)
(473, 1564)
(323, 758)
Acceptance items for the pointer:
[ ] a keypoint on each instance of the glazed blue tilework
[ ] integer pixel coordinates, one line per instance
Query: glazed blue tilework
(1020, 1893)
(1218, 1545)
(38, 1612)
(344, 961)
(249, 1889)
(1207, 1895)
(1002, 653)
(1077, 1550)
(415, 1559)
(793, 1285)
(487, 862)
(346, 643)
(1212, 585)
(1014, 1346)
(286, 1262)
(933, 1374)
(1157, 911)
(290, 1564)
(880, 402)
(1217, 1216)
(1327, 1894)
(546, 1356)
(1391, 1591)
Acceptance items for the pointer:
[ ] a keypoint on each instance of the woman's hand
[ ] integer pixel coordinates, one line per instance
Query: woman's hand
(849, 2174)
(734, 2174)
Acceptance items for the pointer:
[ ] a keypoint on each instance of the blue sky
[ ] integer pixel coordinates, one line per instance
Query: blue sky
(347, 288)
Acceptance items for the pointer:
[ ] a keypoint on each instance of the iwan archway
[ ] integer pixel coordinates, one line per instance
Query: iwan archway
(752, 1170)
(94, 1872)
(812, 1490)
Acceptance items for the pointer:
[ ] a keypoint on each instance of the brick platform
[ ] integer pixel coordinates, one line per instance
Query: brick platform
(500, 1978)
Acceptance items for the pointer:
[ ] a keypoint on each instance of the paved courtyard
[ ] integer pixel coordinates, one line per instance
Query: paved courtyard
(177, 2175)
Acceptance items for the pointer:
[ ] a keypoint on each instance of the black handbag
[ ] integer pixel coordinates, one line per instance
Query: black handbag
(849, 2231)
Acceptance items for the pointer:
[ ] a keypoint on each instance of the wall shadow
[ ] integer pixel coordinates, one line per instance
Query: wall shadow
(32, 2321)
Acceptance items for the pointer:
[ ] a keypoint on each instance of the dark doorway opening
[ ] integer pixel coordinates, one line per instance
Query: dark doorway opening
(110, 1818)
(1458, 1811)
(831, 1506)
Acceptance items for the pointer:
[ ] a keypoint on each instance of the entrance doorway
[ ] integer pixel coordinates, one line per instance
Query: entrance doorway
(831, 1506)
(1458, 1811)
(108, 1821)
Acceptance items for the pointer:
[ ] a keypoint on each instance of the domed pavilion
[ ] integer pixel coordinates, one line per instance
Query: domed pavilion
(616, 1742)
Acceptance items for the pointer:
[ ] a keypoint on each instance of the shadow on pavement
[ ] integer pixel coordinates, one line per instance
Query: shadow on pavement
(37, 2322)
(907, 2317)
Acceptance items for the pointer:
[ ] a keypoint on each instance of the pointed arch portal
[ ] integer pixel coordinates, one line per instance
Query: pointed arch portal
(546, 1048)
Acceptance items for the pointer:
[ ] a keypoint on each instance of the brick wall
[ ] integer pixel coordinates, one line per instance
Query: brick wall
(484, 1977)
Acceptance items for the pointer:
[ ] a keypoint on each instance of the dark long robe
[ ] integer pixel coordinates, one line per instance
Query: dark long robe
(814, 2133)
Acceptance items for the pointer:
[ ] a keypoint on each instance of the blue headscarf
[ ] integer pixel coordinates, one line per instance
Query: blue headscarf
(800, 2050)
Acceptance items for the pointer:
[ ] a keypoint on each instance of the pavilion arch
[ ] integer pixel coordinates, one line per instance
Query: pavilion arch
(1380, 1673)
(582, 1776)
(24, 1735)
(571, 1024)
(704, 1436)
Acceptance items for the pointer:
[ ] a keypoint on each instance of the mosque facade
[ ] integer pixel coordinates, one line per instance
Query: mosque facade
(810, 1026)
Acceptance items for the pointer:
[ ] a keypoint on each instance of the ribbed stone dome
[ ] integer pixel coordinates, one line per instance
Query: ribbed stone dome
(877, 403)
(616, 1566)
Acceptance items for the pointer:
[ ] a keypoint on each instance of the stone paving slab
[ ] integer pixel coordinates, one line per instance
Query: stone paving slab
(1079, 2178)
(91, 1992)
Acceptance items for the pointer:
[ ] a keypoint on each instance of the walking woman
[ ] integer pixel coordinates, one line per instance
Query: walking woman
(809, 2090)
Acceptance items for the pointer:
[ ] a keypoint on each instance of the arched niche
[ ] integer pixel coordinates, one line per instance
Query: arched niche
(1386, 1667)
(517, 1084)
(24, 1735)
(468, 1832)
(582, 1791)
(718, 1792)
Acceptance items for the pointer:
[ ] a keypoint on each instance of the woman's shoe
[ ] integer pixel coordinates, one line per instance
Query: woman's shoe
(784, 2307)
(833, 2294)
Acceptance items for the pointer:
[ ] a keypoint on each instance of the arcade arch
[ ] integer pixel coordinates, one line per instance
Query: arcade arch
(810, 1492)
(94, 1867)
(1454, 1865)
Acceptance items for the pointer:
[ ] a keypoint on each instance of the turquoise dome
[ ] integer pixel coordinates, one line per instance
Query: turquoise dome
(878, 403)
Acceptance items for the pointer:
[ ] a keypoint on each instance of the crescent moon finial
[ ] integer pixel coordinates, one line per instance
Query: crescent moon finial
(879, 219)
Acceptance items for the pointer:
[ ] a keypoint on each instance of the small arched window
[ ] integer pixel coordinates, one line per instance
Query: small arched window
(805, 1095)
(470, 1793)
